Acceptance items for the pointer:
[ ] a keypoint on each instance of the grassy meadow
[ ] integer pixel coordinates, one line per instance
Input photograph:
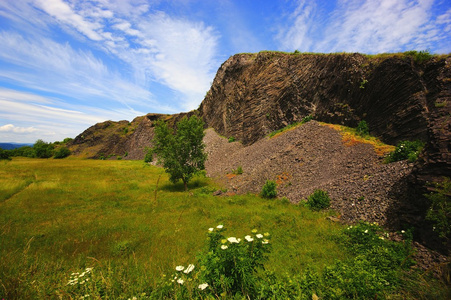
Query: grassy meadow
(127, 222)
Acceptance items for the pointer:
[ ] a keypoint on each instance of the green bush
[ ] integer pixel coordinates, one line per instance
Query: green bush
(440, 211)
(238, 171)
(231, 139)
(62, 152)
(318, 200)
(269, 189)
(406, 150)
(419, 56)
(4, 154)
(362, 128)
(228, 267)
(306, 119)
(42, 149)
(149, 156)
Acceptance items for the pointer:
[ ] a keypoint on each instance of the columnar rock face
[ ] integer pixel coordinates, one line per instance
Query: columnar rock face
(400, 98)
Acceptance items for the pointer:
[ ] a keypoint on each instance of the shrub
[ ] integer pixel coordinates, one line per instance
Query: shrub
(4, 154)
(318, 200)
(231, 139)
(362, 128)
(306, 119)
(238, 171)
(406, 150)
(42, 149)
(440, 210)
(149, 156)
(269, 189)
(419, 56)
(62, 152)
(229, 267)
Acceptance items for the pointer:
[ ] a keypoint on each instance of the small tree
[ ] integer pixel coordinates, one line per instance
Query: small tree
(181, 153)
(62, 152)
(42, 149)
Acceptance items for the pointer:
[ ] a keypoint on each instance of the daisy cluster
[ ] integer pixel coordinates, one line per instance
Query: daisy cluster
(80, 278)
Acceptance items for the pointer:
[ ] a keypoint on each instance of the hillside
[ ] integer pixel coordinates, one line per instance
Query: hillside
(402, 96)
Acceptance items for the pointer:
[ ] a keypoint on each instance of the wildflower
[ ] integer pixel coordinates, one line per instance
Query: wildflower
(366, 231)
(233, 240)
(265, 241)
(189, 269)
(402, 231)
(223, 241)
(220, 226)
(223, 247)
(248, 238)
(203, 286)
(254, 230)
(266, 234)
(210, 229)
(259, 236)
(179, 268)
(382, 238)
(180, 281)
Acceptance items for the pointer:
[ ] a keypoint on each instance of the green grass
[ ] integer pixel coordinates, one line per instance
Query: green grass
(131, 225)
(60, 216)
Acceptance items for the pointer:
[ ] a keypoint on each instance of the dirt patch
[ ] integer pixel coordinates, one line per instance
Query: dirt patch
(307, 158)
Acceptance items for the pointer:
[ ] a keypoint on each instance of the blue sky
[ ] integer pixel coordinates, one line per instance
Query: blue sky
(68, 64)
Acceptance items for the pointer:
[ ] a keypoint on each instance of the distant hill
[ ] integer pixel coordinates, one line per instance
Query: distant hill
(9, 146)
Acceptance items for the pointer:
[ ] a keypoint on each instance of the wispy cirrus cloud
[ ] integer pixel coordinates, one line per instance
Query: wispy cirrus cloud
(369, 26)
(297, 33)
(157, 48)
(32, 115)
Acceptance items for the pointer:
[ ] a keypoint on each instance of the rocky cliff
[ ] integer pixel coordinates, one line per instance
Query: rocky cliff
(399, 96)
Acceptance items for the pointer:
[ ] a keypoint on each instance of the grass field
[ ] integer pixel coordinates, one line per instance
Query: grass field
(127, 222)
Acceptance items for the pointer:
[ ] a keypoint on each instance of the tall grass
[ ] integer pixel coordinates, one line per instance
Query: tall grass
(58, 217)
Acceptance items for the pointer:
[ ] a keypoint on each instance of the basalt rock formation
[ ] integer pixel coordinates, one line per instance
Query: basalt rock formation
(401, 97)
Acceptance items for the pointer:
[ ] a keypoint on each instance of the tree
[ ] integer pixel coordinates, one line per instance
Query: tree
(5, 154)
(43, 149)
(62, 152)
(181, 153)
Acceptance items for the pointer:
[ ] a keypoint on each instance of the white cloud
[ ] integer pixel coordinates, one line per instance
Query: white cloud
(58, 68)
(171, 51)
(64, 14)
(376, 26)
(368, 26)
(298, 35)
(12, 128)
(182, 55)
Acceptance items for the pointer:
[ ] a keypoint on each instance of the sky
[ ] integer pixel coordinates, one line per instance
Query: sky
(68, 64)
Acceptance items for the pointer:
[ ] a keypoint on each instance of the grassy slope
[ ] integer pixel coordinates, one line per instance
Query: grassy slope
(60, 216)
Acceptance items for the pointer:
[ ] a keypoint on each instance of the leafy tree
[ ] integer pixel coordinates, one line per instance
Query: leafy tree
(4, 154)
(43, 149)
(181, 153)
(62, 152)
